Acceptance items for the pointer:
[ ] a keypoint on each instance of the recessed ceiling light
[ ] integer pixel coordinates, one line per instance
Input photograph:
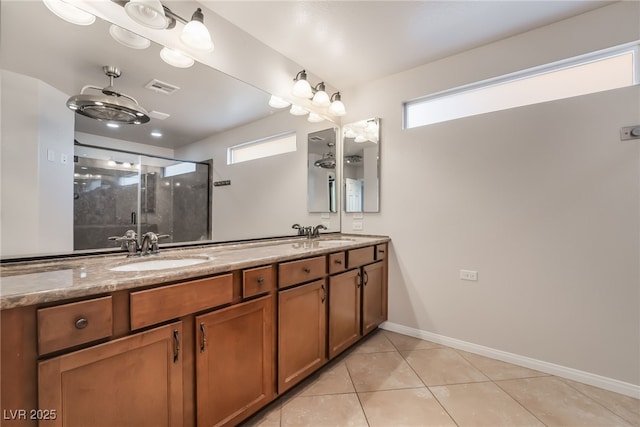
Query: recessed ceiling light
(156, 134)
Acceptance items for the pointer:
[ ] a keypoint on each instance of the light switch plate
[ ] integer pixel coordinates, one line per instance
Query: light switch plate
(469, 275)
(357, 225)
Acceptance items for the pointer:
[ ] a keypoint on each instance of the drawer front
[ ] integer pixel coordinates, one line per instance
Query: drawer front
(381, 251)
(257, 281)
(170, 302)
(337, 263)
(294, 272)
(72, 324)
(360, 256)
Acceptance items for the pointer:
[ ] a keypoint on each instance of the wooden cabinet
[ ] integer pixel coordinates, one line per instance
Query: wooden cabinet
(344, 311)
(374, 296)
(235, 362)
(134, 381)
(302, 328)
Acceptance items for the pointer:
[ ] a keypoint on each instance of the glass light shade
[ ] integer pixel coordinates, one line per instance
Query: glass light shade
(297, 110)
(277, 102)
(360, 138)
(315, 118)
(128, 38)
(337, 108)
(196, 36)
(176, 58)
(69, 12)
(321, 99)
(149, 13)
(302, 89)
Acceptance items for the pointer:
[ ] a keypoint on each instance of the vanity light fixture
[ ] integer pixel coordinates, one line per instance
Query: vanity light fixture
(153, 14)
(315, 118)
(128, 38)
(69, 12)
(277, 102)
(337, 107)
(149, 13)
(176, 58)
(297, 110)
(301, 87)
(319, 97)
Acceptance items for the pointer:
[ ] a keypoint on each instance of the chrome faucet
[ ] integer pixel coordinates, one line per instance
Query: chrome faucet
(316, 230)
(301, 230)
(148, 245)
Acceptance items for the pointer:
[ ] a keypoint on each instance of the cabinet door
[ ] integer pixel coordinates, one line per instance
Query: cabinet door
(374, 297)
(133, 381)
(302, 334)
(235, 362)
(344, 311)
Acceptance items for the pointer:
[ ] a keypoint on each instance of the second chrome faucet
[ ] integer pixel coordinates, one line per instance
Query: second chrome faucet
(310, 232)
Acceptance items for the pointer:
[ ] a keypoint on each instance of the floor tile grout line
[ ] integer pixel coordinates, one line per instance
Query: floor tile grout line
(596, 401)
(518, 402)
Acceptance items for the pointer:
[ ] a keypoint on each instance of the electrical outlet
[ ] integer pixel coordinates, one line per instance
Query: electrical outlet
(469, 275)
(64, 158)
(51, 155)
(357, 225)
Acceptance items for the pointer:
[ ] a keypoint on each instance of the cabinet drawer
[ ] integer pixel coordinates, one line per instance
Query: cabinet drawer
(360, 256)
(257, 281)
(337, 263)
(381, 251)
(304, 270)
(170, 302)
(72, 324)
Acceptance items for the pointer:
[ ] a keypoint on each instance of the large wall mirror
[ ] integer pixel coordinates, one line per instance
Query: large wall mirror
(199, 111)
(361, 155)
(321, 171)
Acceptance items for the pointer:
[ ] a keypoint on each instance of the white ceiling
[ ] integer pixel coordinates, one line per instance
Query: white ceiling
(346, 42)
(343, 42)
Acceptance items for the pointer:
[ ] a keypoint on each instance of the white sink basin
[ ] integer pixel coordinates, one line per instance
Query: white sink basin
(159, 264)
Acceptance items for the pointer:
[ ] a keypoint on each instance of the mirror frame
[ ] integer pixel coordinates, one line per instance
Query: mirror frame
(361, 166)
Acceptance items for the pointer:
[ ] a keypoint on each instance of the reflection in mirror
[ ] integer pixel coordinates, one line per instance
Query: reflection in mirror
(362, 166)
(116, 191)
(321, 171)
(45, 60)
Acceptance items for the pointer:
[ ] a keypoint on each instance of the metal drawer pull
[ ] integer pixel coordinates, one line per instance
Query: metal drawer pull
(176, 345)
(338, 261)
(307, 270)
(81, 323)
(260, 280)
(324, 294)
(359, 280)
(203, 343)
(381, 251)
(366, 278)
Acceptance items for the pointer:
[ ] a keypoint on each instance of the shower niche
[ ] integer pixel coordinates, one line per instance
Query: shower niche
(115, 191)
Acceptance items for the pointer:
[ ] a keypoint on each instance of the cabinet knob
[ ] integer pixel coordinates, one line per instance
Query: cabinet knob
(81, 323)
(260, 280)
(307, 270)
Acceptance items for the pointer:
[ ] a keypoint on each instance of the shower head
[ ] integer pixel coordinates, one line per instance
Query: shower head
(108, 105)
(328, 161)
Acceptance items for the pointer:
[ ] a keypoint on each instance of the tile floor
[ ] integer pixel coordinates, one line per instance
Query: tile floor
(392, 380)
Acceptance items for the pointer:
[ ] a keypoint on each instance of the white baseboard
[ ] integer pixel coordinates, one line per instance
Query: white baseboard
(538, 365)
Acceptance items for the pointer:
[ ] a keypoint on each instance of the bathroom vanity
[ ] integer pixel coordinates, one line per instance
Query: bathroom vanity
(202, 336)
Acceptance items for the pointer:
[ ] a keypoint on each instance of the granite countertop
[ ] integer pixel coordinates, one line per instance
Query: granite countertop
(36, 282)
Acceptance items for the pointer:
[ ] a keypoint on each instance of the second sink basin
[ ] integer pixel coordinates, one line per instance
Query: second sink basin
(159, 264)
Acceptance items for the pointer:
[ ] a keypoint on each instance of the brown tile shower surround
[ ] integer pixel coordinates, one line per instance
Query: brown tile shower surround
(393, 380)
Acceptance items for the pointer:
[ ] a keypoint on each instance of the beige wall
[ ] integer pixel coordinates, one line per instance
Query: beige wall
(543, 201)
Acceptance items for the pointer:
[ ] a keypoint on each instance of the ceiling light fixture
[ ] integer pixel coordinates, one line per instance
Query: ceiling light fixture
(321, 99)
(108, 105)
(301, 87)
(195, 34)
(337, 107)
(69, 12)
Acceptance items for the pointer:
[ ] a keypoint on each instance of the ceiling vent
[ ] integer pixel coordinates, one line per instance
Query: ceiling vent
(162, 87)
(316, 138)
